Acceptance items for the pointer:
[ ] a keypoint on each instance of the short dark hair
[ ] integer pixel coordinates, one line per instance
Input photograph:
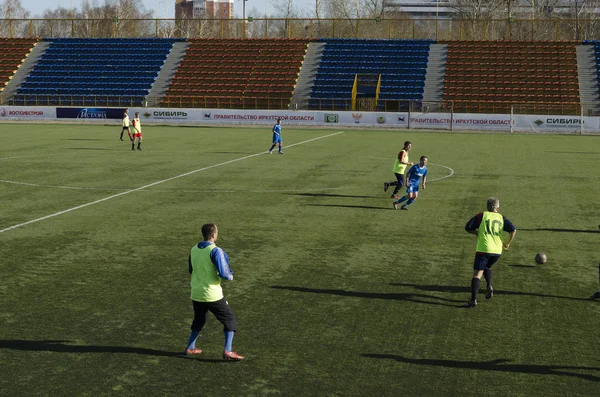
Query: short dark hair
(279, 120)
(407, 143)
(422, 158)
(208, 230)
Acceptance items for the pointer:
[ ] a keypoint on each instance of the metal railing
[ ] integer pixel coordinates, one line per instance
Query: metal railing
(309, 28)
(253, 103)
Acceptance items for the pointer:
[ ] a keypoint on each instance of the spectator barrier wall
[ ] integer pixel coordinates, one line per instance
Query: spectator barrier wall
(437, 121)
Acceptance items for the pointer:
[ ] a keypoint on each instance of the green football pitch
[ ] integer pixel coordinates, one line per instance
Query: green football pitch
(335, 293)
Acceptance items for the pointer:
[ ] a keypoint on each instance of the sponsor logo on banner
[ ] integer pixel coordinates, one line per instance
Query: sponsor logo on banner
(563, 122)
(401, 119)
(89, 113)
(332, 118)
(207, 116)
(357, 117)
(380, 119)
(538, 122)
(16, 113)
(262, 117)
(169, 115)
(146, 114)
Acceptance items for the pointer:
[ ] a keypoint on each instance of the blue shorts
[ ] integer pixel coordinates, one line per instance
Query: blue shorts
(484, 260)
(412, 188)
(276, 138)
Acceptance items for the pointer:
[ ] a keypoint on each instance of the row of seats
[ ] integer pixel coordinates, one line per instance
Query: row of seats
(238, 68)
(12, 54)
(76, 100)
(91, 68)
(509, 71)
(402, 65)
(596, 45)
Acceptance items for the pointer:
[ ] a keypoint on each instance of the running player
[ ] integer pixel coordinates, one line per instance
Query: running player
(277, 137)
(399, 168)
(488, 227)
(137, 126)
(125, 124)
(413, 176)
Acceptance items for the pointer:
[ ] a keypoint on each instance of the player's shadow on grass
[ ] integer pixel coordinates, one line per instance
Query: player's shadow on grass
(546, 229)
(499, 365)
(365, 207)
(332, 195)
(410, 297)
(62, 346)
(467, 290)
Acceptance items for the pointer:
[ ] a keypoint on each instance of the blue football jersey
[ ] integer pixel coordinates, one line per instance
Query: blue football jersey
(415, 173)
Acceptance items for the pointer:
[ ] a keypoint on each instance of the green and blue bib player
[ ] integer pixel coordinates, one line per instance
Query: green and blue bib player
(208, 265)
(399, 168)
(277, 137)
(488, 227)
(413, 177)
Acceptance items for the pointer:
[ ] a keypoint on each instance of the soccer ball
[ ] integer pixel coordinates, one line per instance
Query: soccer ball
(541, 258)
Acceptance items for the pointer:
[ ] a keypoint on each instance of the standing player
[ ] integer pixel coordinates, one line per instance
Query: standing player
(208, 264)
(277, 137)
(137, 126)
(413, 176)
(125, 124)
(399, 168)
(488, 227)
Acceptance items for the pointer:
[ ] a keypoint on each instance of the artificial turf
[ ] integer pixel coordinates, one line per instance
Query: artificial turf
(335, 293)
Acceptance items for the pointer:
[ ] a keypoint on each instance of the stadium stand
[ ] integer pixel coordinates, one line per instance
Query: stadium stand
(237, 74)
(93, 72)
(484, 76)
(402, 65)
(596, 45)
(12, 54)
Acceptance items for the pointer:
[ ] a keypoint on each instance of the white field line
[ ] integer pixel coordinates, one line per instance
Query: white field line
(443, 177)
(157, 183)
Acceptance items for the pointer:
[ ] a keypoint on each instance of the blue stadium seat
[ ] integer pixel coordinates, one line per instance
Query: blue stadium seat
(95, 71)
(401, 63)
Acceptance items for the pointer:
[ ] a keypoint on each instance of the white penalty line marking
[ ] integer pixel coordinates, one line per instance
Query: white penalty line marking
(157, 183)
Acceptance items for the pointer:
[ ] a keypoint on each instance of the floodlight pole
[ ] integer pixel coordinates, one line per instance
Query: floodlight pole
(244, 16)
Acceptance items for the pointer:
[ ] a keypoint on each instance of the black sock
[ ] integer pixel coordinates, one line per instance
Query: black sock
(487, 274)
(475, 283)
(139, 143)
(393, 183)
(132, 145)
(272, 147)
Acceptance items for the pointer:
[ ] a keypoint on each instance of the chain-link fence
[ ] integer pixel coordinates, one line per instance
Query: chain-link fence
(265, 103)
(379, 28)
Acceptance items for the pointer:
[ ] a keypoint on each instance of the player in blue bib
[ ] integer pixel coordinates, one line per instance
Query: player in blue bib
(277, 137)
(413, 176)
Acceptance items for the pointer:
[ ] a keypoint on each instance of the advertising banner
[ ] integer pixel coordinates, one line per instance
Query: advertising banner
(481, 122)
(268, 117)
(27, 113)
(556, 124)
(440, 121)
(91, 113)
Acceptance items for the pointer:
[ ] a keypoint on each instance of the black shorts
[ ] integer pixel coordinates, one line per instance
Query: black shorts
(484, 260)
(400, 179)
(220, 309)
(126, 128)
